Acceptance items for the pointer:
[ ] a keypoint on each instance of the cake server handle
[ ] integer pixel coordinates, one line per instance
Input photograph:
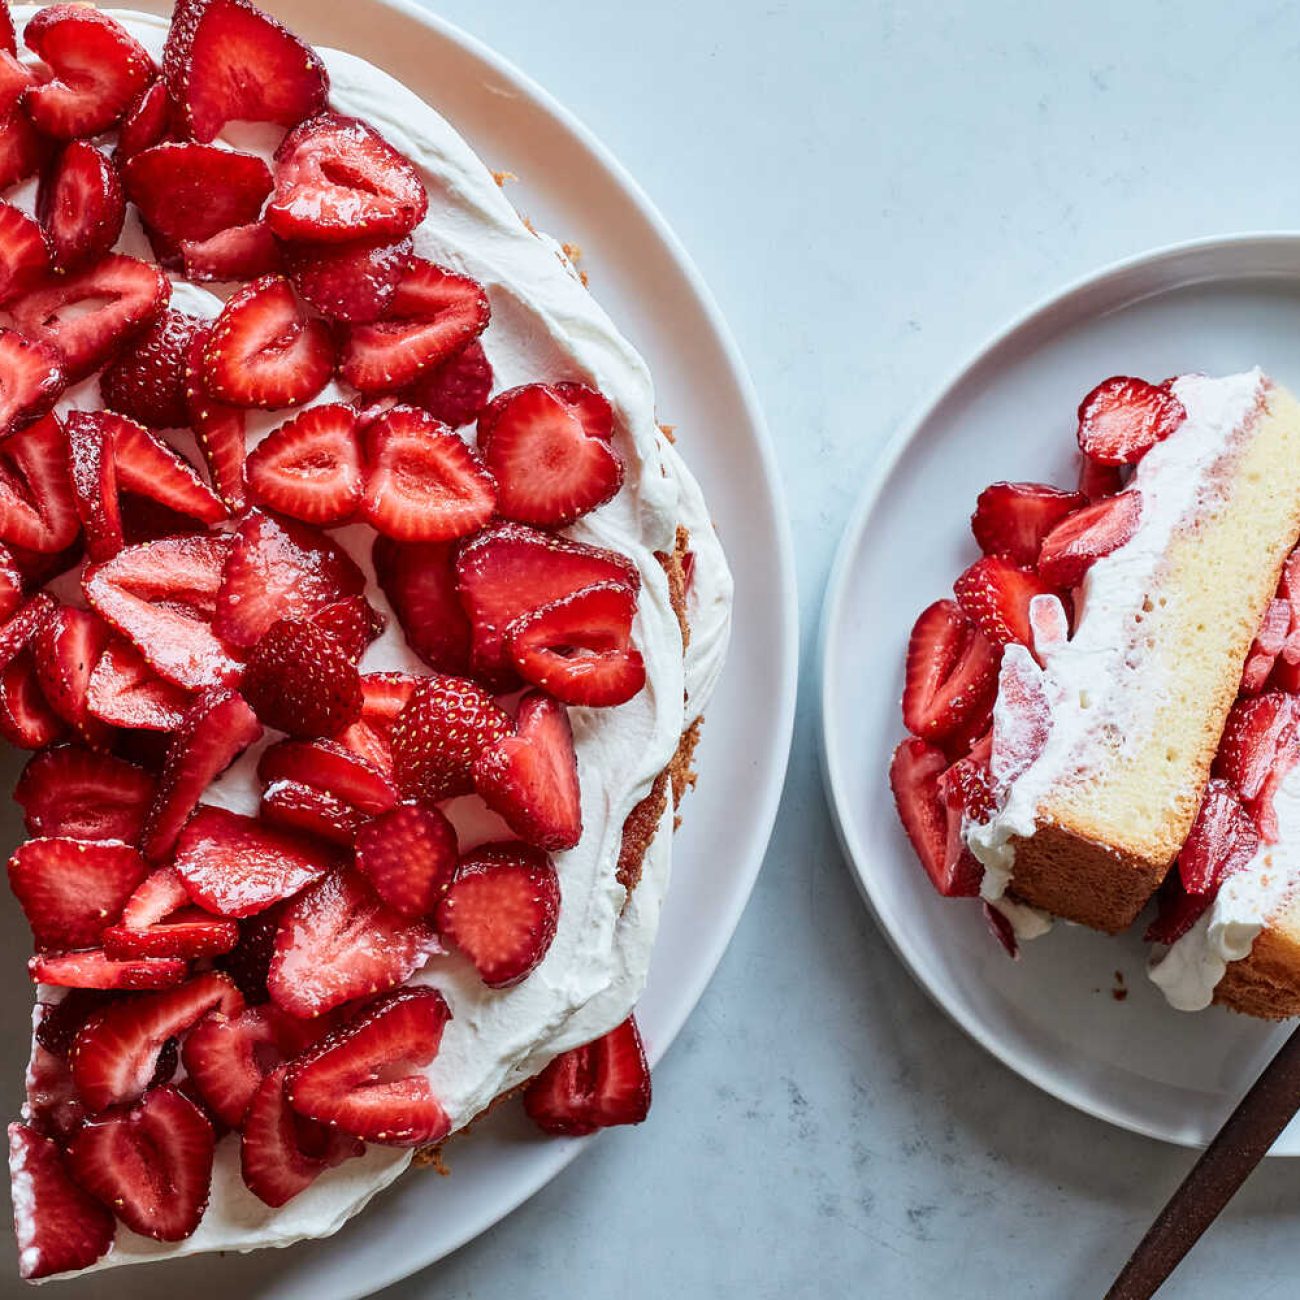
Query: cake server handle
(1238, 1147)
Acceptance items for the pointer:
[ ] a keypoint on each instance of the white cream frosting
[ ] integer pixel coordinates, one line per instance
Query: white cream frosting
(545, 325)
(1099, 681)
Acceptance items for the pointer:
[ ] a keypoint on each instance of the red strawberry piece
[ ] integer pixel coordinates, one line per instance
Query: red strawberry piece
(995, 594)
(31, 377)
(1049, 624)
(419, 580)
(93, 472)
(67, 648)
(38, 508)
(501, 911)
(1002, 930)
(281, 1153)
(158, 921)
(1258, 747)
(383, 697)
(338, 941)
(218, 428)
(579, 648)
(8, 37)
(1097, 481)
(310, 467)
(146, 123)
(227, 1057)
(353, 1079)
(248, 961)
(1123, 418)
(150, 467)
(23, 149)
(1083, 538)
(349, 282)
(434, 314)
(24, 252)
(329, 766)
(11, 585)
(72, 792)
(337, 180)
(26, 719)
(91, 969)
(1223, 839)
(531, 778)
(510, 570)
(1023, 721)
(193, 191)
(147, 382)
(952, 672)
(914, 777)
(86, 317)
(423, 483)
(160, 596)
(80, 203)
(409, 857)
(353, 622)
(598, 1085)
(125, 692)
(151, 1164)
(218, 727)
(70, 890)
(438, 736)
(99, 69)
(22, 628)
(15, 79)
(551, 465)
(116, 1052)
(264, 350)
(226, 60)
(293, 806)
(1011, 519)
(1177, 911)
(968, 783)
(237, 253)
(300, 680)
(456, 390)
(60, 1228)
(1267, 646)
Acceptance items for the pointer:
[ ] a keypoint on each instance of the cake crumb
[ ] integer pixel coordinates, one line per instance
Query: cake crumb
(1120, 991)
(502, 178)
(669, 431)
(431, 1158)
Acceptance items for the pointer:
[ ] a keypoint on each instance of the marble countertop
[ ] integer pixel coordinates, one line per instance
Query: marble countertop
(871, 189)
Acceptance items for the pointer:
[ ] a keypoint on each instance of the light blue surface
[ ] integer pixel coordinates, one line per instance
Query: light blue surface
(870, 190)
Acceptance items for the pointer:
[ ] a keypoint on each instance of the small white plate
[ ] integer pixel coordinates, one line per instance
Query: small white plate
(1215, 306)
(572, 188)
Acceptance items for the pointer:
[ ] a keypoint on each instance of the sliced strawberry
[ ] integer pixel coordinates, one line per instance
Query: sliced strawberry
(1177, 911)
(310, 467)
(510, 570)
(1258, 747)
(237, 253)
(38, 508)
(419, 580)
(26, 719)
(280, 569)
(218, 428)
(1223, 839)
(551, 458)
(1011, 519)
(67, 649)
(951, 675)
(8, 37)
(579, 648)
(409, 857)
(21, 630)
(99, 69)
(147, 382)
(353, 622)
(15, 79)
(362, 1078)
(248, 961)
(1267, 647)
(604, 1083)
(914, 777)
(60, 1227)
(92, 468)
(151, 1164)
(968, 785)
(125, 692)
(456, 390)
(151, 468)
(146, 123)
(300, 680)
(11, 585)
(349, 282)
(24, 252)
(80, 203)
(194, 191)
(1123, 418)
(91, 969)
(338, 941)
(31, 377)
(264, 350)
(383, 696)
(1097, 480)
(1083, 538)
(531, 778)
(995, 594)
(86, 317)
(72, 792)
(331, 767)
(158, 921)
(501, 911)
(227, 60)
(293, 806)
(23, 149)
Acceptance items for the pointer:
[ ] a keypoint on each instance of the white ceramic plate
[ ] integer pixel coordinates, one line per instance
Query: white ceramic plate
(1215, 306)
(572, 188)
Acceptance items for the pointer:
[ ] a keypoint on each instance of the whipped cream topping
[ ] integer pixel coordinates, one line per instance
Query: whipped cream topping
(1100, 681)
(545, 325)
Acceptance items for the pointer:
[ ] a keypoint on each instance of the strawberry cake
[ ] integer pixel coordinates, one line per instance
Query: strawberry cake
(359, 616)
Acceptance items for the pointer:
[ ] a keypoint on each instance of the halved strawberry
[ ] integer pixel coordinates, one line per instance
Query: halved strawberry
(74, 792)
(510, 570)
(434, 314)
(300, 680)
(226, 60)
(598, 1085)
(38, 509)
(193, 191)
(218, 428)
(147, 382)
(87, 316)
(501, 911)
(310, 467)
(151, 468)
(151, 1164)
(99, 69)
(125, 692)
(61, 1228)
(67, 649)
(531, 778)
(158, 921)
(549, 450)
(80, 203)
(951, 674)
(1223, 839)
(92, 468)
(146, 123)
(264, 350)
(331, 767)
(363, 1078)
(23, 149)
(579, 648)
(456, 390)
(914, 777)
(338, 180)
(31, 377)
(294, 806)
(353, 622)
(1123, 418)
(1268, 644)
(1097, 480)
(91, 969)
(24, 252)
(352, 282)
(419, 580)
(237, 253)
(338, 941)
(1083, 538)
(1259, 746)
(995, 594)
(26, 719)
(409, 857)
(1011, 519)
